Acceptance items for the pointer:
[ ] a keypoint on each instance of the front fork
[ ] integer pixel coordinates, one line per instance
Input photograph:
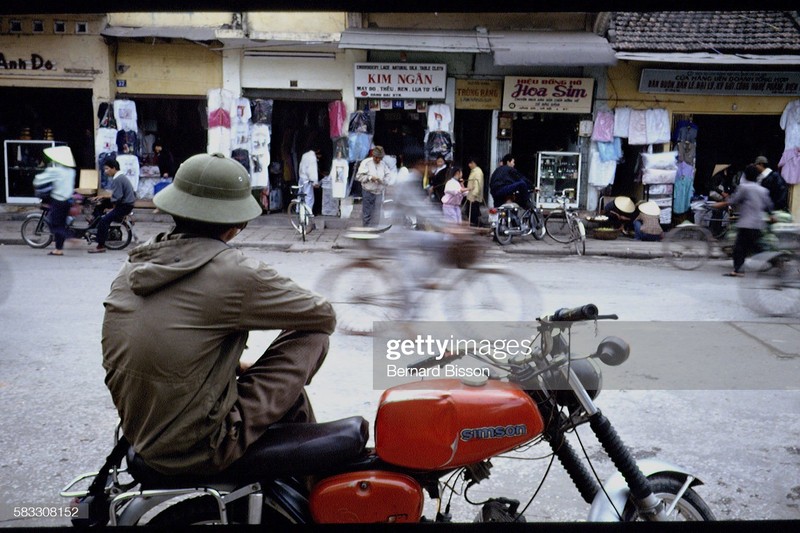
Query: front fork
(650, 506)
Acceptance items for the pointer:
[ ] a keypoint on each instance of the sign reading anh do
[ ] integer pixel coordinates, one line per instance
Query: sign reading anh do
(548, 94)
(412, 81)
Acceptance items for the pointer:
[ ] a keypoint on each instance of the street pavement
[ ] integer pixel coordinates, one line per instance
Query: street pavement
(274, 231)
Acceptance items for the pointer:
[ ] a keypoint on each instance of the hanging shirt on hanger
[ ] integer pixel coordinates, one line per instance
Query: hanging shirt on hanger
(603, 130)
(658, 129)
(439, 117)
(790, 121)
(622, 120)
(637, 129)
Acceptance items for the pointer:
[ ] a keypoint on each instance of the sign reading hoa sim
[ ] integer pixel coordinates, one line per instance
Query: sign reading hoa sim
(401, 81)
(548, 94)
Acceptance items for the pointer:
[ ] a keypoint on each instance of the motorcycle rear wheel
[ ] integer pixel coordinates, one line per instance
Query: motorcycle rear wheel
(32, 238)
(501, 232)
(690, 508)
(119, 236)
(202, 510)
(775, 291)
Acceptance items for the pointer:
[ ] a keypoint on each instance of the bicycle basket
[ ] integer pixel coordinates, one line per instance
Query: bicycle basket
(461, 252)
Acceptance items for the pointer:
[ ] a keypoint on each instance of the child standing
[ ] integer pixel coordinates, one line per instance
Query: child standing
(454, 192)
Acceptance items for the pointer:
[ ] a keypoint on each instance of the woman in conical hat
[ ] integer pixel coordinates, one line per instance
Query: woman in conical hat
(647, 226)
(61, 175)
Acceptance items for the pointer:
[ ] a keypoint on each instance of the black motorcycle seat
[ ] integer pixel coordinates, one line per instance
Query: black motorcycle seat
(283, 450)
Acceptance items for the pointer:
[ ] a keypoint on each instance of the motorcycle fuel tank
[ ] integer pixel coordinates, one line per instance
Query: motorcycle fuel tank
(367, 497)
(444, 423)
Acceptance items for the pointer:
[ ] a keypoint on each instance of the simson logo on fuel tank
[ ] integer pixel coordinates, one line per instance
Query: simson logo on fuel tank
(494, 432)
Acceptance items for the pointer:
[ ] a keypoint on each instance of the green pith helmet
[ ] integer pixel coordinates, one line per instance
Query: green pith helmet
(210, 188)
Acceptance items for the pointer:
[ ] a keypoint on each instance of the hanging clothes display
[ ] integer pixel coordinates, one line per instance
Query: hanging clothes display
(622, 120)
(683, 189)
(221, 103)
(637, 128)
(105, 141)
(259, 155)
(658, 126)
(789, 165)
(129, 165)
(340, 170)
(337, 116)
(603, 130)
(439, 117)
(601, 173)
(125, 115)
(790, 122)
(610, 151)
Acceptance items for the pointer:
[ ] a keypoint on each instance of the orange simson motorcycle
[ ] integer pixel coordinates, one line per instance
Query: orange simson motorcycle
(427, 432)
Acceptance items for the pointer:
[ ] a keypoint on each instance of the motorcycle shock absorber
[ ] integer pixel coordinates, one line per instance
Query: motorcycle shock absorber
(584, 481)
(623, 459)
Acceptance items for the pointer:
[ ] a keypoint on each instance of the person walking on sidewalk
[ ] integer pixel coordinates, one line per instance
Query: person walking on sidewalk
(62, 177)
(308, 176)
(177, 320)
(374, 175)
(454, 192)
(122, 199)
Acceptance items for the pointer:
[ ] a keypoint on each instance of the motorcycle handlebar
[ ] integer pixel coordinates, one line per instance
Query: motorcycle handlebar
(583, 312)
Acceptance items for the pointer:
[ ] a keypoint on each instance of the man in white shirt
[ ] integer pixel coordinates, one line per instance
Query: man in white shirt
(374, 175)
(308, 176)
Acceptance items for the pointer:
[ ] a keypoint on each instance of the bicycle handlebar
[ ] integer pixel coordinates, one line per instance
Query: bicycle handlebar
(583, 312)
(435, 360)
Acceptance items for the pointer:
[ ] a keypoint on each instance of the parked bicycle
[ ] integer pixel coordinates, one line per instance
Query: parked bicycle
(299, 213)
(512, 220)
(690, 245)
(564, 225)
(430, 276)
(37, 234)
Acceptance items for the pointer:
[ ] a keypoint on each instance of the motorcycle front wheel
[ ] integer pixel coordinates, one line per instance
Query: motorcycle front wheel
(775, 291)
(690, 508)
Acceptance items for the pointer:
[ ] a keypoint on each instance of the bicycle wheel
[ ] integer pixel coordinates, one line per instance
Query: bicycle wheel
(537, 224)
(363, 292)
(36, 231)
(579, 236)
(119, 236)
(299, 217)
(687, 247)
(492, 294)
(775, 291)
(557, 226)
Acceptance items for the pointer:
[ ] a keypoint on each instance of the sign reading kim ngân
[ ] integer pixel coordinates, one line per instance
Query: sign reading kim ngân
(720, 82)
(548, 94)
(406, 81)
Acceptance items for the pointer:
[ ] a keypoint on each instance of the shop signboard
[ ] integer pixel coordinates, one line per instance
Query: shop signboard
(479, 94)
(720, 82)
(400, 81)
(539, 94)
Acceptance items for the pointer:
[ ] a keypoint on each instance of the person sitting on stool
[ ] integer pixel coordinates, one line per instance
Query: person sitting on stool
(647, 226)
(620, 214)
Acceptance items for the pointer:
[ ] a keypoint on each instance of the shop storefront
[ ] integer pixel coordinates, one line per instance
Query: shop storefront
(49, 82)
(164, 86)
(731, 115)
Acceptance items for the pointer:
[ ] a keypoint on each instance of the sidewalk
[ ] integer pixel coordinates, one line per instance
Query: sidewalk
(274, 231)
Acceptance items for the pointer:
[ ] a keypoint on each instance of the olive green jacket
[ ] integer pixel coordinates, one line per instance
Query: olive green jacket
(176, 322)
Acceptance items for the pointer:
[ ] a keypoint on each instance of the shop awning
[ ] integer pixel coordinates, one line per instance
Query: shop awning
(550, 49)
(415, 40)
(162, 32)
(710, 58)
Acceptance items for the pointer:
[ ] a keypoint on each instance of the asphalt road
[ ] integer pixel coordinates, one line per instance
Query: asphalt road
(738, 432)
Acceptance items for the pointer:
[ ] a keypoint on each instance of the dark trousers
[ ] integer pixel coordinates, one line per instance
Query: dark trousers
(272, 390)
(115, 215)
(371, 208)
(59, 209)
(747, 242)
(474, 213)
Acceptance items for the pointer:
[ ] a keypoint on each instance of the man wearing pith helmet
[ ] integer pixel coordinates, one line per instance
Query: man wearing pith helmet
(177, 321)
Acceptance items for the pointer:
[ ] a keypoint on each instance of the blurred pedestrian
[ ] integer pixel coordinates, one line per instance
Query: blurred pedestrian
(374, 175)
(454, 192)
(774, 183)
(308, 176)
(475, 195)
(62, 177)
(753, 203)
